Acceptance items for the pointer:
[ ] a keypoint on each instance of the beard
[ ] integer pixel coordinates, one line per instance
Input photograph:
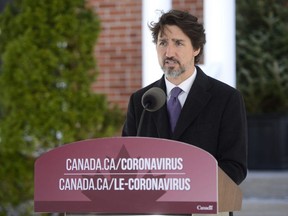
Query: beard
(172, 72)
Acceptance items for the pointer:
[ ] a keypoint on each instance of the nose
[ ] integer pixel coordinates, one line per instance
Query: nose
(170, 51)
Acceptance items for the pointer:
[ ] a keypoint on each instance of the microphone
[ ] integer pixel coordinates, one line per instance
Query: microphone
(152, 100)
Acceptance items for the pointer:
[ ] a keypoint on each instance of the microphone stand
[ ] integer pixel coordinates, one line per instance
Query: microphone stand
(141, 119)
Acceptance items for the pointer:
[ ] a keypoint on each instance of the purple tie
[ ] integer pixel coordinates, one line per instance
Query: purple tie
(174, 107)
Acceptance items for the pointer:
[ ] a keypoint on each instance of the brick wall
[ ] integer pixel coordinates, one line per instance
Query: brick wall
(195, 7)
(118, 50)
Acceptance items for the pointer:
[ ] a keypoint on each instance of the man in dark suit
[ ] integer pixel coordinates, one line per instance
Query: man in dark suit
(212, 113)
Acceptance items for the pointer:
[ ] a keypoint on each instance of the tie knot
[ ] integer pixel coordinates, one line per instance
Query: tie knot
(175, 92)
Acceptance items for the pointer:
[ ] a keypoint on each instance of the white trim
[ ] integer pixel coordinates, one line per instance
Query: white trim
(151, 70)
(219, 51)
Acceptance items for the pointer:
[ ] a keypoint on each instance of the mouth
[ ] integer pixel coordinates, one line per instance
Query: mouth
(170, 62)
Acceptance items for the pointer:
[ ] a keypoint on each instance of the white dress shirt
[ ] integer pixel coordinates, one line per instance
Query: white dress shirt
(185, 86)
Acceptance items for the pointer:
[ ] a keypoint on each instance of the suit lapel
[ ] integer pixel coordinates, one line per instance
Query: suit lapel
(162, 123)
(197, 99)
(160, 117)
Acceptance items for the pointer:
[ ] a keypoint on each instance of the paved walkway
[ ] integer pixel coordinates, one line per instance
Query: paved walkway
(265, 193)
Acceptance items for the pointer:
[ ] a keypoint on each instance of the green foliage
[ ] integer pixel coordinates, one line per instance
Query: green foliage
(16, 178)
(46, 71)
(262, 48)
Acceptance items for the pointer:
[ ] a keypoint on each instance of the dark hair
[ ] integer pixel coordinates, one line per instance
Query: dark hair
(186, 22)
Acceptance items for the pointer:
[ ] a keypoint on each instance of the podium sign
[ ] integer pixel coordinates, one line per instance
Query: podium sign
(126, 175)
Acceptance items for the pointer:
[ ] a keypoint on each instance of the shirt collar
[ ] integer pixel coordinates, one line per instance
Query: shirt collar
(185, 85)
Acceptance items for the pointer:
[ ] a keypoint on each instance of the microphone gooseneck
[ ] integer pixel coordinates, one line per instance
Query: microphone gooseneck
(152, 100)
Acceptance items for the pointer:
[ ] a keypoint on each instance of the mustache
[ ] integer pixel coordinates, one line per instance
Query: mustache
(171, 59)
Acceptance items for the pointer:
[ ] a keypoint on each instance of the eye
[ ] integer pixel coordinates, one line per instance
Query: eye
(162, 43)
(179, 43)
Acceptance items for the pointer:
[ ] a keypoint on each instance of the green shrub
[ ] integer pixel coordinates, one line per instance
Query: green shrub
(261, 53)
(47, 68)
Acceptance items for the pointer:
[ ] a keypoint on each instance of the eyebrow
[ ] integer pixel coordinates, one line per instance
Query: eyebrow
(181, 40)
(174, 39)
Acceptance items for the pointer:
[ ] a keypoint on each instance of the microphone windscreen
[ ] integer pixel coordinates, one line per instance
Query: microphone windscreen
(153, 99)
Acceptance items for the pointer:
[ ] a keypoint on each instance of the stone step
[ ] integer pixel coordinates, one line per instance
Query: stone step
(263, 207)
(265, 193)
(262, 185)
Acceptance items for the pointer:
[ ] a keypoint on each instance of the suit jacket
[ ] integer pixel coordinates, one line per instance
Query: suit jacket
(212, 118)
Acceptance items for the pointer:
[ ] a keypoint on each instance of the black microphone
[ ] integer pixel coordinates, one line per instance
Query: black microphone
(152, 100)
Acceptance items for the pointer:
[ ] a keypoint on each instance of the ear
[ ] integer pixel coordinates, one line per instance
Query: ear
(196, 52)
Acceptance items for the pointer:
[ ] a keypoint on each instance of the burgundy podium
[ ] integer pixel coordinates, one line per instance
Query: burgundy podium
(132, 175)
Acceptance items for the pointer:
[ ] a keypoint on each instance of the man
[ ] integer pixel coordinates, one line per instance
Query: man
(212, 113)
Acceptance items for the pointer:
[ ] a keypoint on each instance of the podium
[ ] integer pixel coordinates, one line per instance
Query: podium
(132, 175)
